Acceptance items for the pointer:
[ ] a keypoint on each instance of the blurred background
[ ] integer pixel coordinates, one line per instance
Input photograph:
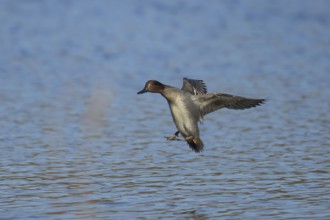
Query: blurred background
(78, 143)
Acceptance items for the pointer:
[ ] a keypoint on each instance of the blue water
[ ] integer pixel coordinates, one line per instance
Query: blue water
(77, 142)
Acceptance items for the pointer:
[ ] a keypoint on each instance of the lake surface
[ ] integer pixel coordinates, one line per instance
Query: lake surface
(77, 142)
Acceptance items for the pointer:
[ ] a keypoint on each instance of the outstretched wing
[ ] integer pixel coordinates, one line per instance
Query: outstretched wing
(214, 101)
(194, 86)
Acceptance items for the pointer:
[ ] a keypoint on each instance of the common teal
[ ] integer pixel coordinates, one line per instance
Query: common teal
(191, 103)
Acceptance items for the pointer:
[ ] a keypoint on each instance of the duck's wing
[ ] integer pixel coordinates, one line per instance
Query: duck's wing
(194, 86)
(214, 101)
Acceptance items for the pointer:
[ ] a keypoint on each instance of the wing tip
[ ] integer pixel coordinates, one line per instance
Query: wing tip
(198, 85)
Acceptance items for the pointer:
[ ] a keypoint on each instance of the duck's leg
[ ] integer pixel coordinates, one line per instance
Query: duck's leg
(173, 137)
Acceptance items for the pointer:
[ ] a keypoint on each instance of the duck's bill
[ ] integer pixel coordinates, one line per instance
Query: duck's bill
(142, 91)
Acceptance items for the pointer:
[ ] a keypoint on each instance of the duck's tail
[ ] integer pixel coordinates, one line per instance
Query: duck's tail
(195, 143)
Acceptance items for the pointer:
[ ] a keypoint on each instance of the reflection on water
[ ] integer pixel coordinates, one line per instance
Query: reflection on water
(78, 143)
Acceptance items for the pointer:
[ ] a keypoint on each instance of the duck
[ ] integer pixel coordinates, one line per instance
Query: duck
(191, 103)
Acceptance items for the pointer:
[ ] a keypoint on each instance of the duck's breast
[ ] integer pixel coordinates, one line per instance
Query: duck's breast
(185, 115)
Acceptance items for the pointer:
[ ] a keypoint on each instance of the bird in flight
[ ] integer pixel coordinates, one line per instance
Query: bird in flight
(191, 103)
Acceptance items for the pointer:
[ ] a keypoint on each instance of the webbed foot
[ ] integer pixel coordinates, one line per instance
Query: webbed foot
(173, 137)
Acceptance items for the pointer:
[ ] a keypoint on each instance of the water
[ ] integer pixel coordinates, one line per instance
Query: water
(78, 143)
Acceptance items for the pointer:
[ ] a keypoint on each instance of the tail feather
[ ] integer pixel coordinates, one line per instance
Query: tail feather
(196, 144)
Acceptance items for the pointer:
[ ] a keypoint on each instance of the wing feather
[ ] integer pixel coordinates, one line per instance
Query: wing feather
(194, 86)
(214, 101)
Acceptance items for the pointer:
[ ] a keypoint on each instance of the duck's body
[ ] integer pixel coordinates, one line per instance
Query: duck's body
(185, 112)
(189, 104)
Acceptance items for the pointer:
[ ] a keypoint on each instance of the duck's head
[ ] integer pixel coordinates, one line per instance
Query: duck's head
(152, 86)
